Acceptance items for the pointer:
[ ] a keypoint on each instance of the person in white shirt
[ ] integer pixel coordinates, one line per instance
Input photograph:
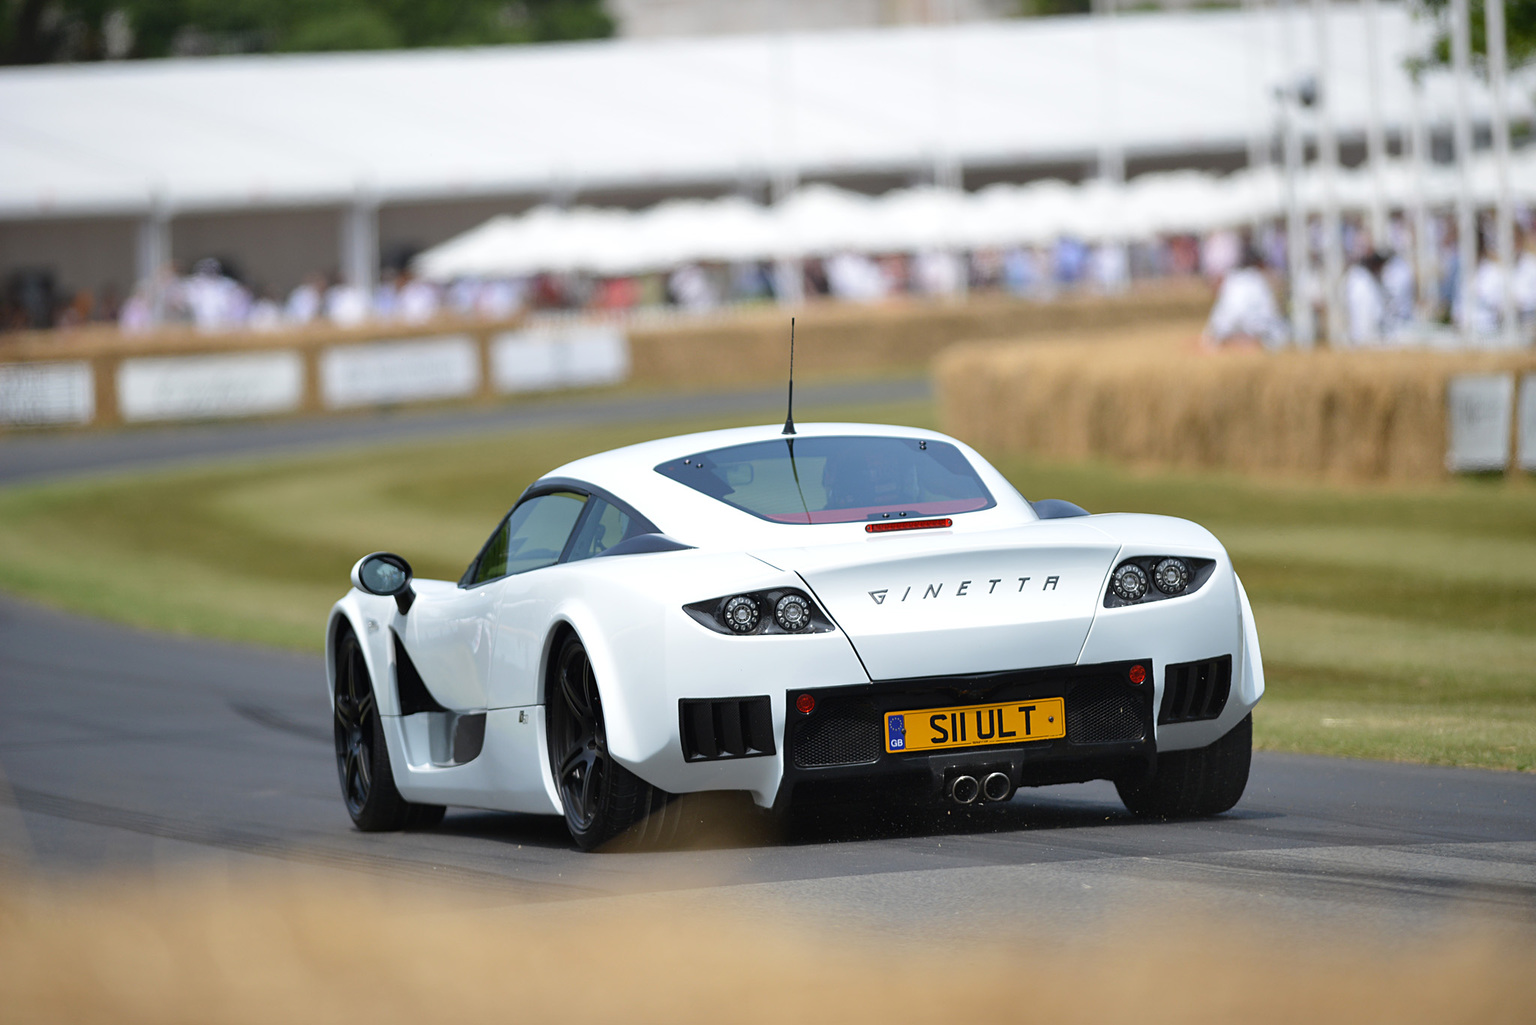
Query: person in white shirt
(1110, 266)
(855, 278)
(1245, 309)
(1220, 253)
(217, 301)
(1525, 280)
(1365, 302)
(937, 272)
(417, 301)
(1398, 285)
(691, 288)
(265, 314)
(304, 301)
(346, 305)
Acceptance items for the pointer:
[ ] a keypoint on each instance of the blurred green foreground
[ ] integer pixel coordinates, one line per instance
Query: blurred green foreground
(1395, 624)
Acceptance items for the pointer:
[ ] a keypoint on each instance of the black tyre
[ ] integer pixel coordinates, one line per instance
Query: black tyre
(362, 760)
(603, 801)
(1187, 784)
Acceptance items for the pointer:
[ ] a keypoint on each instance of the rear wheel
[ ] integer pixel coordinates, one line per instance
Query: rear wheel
(602, 799)
(362, 760)
(1187, 784)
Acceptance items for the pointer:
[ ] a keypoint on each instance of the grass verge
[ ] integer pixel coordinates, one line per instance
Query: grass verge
(1395, 623)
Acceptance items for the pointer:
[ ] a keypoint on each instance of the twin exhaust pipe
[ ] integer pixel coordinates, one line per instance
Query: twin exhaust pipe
(995, 787)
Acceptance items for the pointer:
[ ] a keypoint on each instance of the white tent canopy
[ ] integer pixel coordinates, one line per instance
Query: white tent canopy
(250, 132)
(820, 220)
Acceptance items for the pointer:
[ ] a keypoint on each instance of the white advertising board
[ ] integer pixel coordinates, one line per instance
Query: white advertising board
(47, 393)
(1525, 425)
(409, 370)
(1478, 411)
(199, 387)
(541, 358)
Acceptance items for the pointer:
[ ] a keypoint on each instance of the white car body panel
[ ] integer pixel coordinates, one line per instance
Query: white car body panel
(999, 591)
(937, 603)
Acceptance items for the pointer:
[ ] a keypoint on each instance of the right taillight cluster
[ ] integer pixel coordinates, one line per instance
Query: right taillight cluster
(1144, 578)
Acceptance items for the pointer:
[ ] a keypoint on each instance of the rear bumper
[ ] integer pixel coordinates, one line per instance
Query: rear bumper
(840, 745)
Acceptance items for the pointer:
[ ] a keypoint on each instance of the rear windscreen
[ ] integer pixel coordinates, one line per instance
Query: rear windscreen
(835, 480)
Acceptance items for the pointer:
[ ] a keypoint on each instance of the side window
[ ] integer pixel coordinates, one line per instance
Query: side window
(532, 537)
(493, 559)
(604, 527)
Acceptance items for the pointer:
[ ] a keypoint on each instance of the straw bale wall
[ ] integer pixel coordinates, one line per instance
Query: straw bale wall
(838, 339)
(1159, 400)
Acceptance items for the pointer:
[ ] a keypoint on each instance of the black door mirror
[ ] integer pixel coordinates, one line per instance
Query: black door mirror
(387, 575)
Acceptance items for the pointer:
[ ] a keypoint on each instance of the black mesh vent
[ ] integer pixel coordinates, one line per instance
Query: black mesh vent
(729, 728)
(847, 735)
(1100, 712)
(1195, 690)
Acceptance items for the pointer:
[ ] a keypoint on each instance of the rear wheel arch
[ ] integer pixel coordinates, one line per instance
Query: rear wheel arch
(553, 642)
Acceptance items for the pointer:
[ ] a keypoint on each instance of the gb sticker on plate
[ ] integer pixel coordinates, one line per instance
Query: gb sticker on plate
(896, 726)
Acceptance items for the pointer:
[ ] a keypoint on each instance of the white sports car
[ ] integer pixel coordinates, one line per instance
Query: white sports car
(855, 611)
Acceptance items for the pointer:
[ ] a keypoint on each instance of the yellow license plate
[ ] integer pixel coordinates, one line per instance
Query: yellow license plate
(1015, 722)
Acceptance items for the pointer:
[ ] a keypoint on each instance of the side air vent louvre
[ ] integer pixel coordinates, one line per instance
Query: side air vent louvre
(1193, 691)
(726, 728)
(414, 696)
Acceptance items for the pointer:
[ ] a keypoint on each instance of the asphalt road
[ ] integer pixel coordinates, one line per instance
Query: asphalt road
(51, 454)
(123, 749)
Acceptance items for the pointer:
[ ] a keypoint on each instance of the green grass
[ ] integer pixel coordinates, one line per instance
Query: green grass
(1395, 624)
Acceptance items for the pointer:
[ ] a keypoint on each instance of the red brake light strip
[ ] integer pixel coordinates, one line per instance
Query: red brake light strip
(883, 526)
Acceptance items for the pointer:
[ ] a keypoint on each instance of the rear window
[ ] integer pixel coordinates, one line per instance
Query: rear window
(835, 480)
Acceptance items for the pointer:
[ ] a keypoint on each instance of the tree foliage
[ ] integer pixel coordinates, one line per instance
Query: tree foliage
(1519, 30)
(40, 31)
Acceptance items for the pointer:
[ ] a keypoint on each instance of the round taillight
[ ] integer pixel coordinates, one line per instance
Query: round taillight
(1129, 582)
(805, 704)
(792, 613)
(1171, 576)
(740, 614)
(1138, 674)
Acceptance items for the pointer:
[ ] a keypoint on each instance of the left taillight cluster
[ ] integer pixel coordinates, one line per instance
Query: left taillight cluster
(779, 611)
(1145, 578)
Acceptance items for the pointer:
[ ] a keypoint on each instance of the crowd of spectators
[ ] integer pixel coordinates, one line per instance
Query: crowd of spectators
(1383, 302)
(1382, 299)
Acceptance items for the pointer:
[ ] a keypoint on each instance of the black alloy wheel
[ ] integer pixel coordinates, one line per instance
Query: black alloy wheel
(354, 727)
(362, 761)
(601, 798)
(582, 742)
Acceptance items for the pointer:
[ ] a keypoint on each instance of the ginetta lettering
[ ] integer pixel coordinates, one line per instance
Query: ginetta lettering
(963, 588)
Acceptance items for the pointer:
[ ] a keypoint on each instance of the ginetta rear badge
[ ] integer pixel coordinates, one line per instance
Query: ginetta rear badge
(964, 588)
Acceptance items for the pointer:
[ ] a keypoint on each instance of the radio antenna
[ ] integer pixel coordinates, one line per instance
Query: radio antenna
(789, 421)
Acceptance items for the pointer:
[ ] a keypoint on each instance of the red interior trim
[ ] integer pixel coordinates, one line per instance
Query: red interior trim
(884, 525)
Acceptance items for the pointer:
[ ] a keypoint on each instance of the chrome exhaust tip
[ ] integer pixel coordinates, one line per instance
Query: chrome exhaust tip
(997, 787)
(964, 789)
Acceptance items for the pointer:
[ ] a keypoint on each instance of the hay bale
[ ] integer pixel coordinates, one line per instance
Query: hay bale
(1159, 400)
(835, 338)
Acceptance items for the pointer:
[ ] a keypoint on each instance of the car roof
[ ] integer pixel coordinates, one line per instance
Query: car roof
(629, 473)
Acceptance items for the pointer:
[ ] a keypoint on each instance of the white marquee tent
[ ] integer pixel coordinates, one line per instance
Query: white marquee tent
(266, 131)
(820, 220)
